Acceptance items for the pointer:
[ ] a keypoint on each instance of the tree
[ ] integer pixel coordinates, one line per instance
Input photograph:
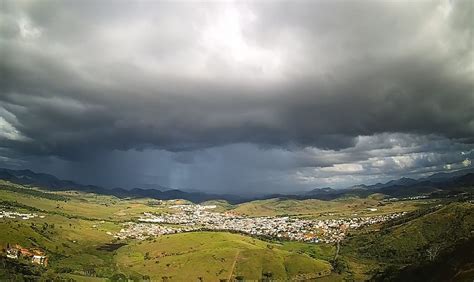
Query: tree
(267, 276)
(119, 277)
(89, 270)
(433, 252)
(338, 265)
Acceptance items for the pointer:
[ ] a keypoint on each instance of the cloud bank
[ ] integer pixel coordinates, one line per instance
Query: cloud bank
(236, 96)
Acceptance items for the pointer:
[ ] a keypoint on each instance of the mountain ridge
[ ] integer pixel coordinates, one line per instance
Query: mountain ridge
(436, 184)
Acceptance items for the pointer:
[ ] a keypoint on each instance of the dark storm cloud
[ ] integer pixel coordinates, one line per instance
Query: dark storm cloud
(287, 82)
(247, 169)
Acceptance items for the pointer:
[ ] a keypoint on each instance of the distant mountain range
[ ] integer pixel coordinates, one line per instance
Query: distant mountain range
(439, 184)
(436, 184)
(28, 177)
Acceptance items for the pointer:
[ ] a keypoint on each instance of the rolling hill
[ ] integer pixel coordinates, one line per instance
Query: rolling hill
(75, 231)
(409, 248)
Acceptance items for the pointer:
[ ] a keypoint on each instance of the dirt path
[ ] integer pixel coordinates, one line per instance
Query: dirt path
(337, 251)
(233, 265)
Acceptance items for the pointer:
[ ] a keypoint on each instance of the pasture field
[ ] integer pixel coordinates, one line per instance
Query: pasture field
(213, 256)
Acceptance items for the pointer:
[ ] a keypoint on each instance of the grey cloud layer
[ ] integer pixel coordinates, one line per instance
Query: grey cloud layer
(247, 169)
(81, 78)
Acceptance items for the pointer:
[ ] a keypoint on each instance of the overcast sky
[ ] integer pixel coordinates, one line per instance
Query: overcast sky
(236, 97)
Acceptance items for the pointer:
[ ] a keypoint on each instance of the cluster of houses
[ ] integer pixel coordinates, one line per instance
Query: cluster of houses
(143, 231)
(394, 199)
(17, 215)
(34, 255)
(198, 217)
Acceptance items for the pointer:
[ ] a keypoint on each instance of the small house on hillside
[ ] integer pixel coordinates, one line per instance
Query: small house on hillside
(40, 260)
(35, 255)
(13, 253)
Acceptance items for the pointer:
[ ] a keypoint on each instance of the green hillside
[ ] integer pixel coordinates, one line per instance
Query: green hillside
(75, 230)
(317, 208)
(75, 233)
(429, 235)
(214, 256)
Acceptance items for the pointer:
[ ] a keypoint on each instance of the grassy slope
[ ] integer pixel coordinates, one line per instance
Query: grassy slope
(397, 246)
(90, 206)
(217, 255)
(317, 208)
(453, 264)
(82, 220)
(73, 241)
(71, 233)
